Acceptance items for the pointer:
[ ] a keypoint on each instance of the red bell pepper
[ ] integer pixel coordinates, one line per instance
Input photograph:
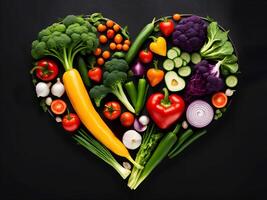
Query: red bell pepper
(165, 110)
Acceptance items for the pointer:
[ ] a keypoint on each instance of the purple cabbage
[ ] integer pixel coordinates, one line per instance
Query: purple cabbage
(190, 34)
(205, 80)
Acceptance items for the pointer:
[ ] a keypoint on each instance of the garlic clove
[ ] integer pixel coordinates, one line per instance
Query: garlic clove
(58, 88)
(48, 101)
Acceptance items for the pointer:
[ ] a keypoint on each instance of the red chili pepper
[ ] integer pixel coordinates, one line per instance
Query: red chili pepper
(165, 110)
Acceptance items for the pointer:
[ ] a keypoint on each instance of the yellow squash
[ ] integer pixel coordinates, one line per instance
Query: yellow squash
(84, 108)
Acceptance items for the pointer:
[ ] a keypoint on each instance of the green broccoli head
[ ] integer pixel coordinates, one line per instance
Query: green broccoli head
(98, 92)
(64, 40)
(114, 78)
(117, 64)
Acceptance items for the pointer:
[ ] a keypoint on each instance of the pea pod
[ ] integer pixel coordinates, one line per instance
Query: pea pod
(159, 154)
(140, 39)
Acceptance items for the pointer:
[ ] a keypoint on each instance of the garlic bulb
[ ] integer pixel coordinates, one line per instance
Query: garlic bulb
(58, 88)
(42, 89)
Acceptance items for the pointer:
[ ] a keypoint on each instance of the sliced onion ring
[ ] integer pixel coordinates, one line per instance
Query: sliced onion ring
(199, 114)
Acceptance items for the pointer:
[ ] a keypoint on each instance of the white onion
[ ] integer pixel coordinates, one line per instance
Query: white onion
(199, 114)
(131, 139)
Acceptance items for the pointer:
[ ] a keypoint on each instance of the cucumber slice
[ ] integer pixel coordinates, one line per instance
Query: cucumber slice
(186, 57)
(231, 81)
(184, 71)
(168, 64)
(195, 58)
(171, 54)
(174, 82)
(178, 62)
(184, 63)
(177, 50)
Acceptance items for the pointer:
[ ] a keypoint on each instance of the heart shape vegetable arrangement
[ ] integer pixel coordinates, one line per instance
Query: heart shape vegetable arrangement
(157, 93)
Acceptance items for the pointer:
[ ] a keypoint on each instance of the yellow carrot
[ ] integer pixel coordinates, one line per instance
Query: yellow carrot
(84, 108)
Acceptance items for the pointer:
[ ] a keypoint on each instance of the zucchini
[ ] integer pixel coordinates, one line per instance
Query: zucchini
(184, 71)
(178, 62)
(168, 64)
(171, 54)
(195, 58)
(231, 81)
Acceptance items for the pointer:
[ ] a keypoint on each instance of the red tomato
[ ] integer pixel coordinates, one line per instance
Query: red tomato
(46, 69)
(112, 110)
(219, 100)
(145, 56)
(110, 33)
(95, 74)
(71, 122)
(58, 106)
(127, 119)
(166, 27)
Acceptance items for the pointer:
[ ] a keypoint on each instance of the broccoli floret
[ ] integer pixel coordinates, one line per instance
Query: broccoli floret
(64, 40)
(114, 80)
(117, 64)
(99, 92)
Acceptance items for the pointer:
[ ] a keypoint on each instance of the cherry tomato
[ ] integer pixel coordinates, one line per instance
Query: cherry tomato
(116, 27)
(95, 74)
(118, 38)
(110, 33)
(101, 28)
(176, 17)
(97, 51)
(71, 122)
(109, 23)
(119, 47)
(146, 56)
(219, 100)
(127, 119)
(106, 55)
(46, 69)
(112, 110)
(100, 61)
(127, 42)
(125, 47)
(103, 39)
(112, 46)
(58, 106)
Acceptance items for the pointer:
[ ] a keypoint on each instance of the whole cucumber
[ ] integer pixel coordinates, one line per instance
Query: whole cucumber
(140, 39)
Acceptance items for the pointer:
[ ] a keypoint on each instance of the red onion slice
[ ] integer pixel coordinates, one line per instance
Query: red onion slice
(199, 114)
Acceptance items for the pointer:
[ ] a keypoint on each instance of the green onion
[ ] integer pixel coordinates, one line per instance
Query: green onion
(100, 151)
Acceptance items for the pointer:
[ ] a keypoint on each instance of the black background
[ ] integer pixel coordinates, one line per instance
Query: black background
(38, 161)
